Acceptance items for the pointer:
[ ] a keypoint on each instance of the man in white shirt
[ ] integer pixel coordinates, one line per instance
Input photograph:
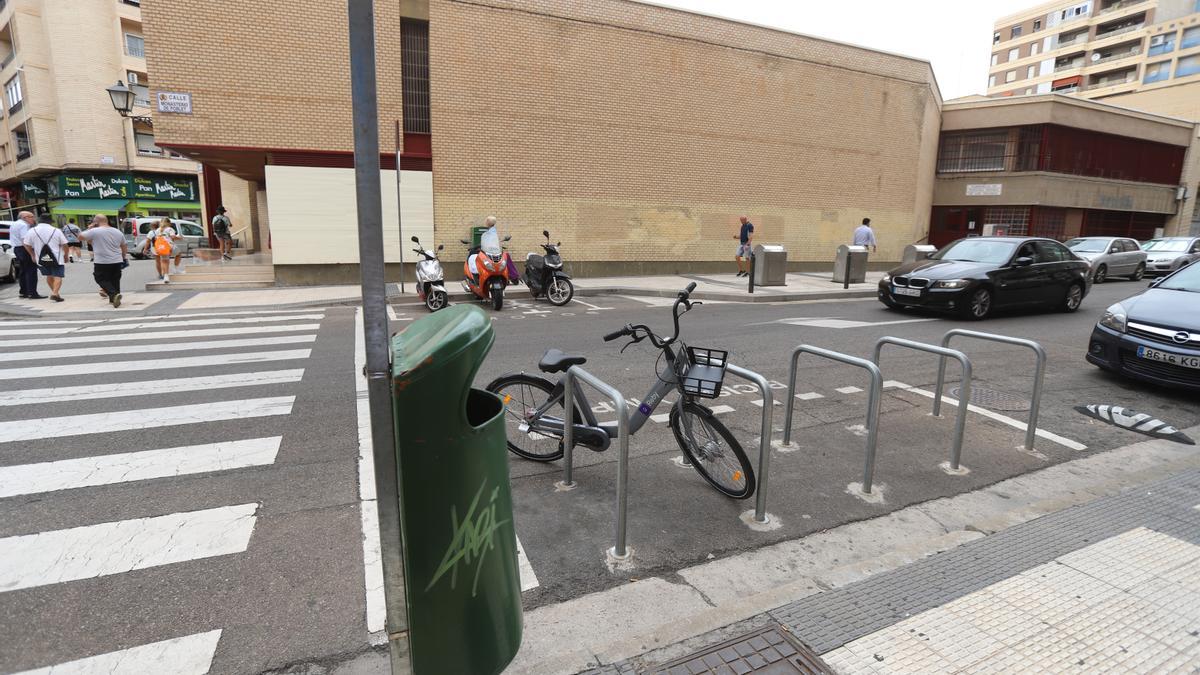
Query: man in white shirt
(47, 247)
(27, 276)
(864, 235)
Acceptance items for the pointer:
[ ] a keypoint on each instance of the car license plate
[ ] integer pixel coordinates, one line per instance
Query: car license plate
(914, 292)
(1166, 357)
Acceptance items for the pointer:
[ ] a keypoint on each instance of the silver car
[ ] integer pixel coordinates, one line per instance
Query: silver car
(137, 229)
(1170, 253)
(1111, 257)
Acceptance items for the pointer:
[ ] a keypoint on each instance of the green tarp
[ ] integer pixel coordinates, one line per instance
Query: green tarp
(87, 207)
(144, 205)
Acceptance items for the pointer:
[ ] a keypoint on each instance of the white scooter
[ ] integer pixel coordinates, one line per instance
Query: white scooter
(431, 287)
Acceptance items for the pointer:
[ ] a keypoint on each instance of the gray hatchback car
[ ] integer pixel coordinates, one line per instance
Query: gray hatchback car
(1111, 257)
(1168, 254)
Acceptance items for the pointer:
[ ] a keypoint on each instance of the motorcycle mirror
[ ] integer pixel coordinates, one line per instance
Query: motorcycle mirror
(507, 237)
(465, 242)
(546, 234)
(415, 240)
(441, 246)
(559, 244)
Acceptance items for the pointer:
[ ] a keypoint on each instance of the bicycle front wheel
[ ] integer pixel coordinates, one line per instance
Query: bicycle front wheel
(521, 395)
(712, 450)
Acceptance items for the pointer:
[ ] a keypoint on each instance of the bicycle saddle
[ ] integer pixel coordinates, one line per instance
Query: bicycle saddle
(555, 361)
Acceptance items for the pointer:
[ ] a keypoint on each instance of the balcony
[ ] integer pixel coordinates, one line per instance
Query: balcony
(1117, 56)
(1070, 65)
(1113, 80)
(1078, 38)
(1120, 31)
(1118, 6)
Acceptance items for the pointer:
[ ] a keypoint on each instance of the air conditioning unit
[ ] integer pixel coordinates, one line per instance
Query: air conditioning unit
(1157, 40)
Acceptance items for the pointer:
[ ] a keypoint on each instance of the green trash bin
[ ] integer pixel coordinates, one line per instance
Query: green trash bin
(477, 235)
(456, 516)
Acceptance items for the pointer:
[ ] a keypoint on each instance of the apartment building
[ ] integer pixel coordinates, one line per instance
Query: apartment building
(1095, 48)
(64, 148)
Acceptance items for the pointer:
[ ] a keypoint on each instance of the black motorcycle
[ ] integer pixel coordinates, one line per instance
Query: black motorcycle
(544, 275)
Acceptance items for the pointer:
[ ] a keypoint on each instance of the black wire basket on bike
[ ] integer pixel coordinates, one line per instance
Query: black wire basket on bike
(704, 372)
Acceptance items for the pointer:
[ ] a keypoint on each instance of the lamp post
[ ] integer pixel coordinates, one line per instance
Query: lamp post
(122, 101)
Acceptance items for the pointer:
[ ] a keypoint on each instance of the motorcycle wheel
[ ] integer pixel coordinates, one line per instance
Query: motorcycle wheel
(497, 298)
(435, 300)
(560, 291)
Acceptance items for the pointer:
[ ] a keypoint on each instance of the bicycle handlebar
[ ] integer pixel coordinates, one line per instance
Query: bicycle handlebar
(616, 334)
(659, 342)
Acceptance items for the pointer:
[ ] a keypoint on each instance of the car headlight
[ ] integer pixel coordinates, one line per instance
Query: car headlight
(886, 278)
(951, 283)
(1114, 318)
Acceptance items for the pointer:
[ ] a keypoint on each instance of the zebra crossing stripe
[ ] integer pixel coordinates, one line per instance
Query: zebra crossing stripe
(91, 551)
(149, 387)
(187, 655)
(147, 418)
(124, 467)
(156, 325)
(75, 370)
(162, 336)
(157, 349)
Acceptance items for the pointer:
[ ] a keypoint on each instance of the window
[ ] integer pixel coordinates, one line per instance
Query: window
(1014, 54)
(996, 35)
(991, 80)
(1162, 44)
(1037, 25)
(1033, 48)
(414, 73)
(1010, 76)
(1188, 65)
(13, 94)
(189, 229)
(1031, 72)
(1191, 38)
(135, 45)
(1016, 31)
(1157, 72)
(972, 151)
(145, 143)
(1052, 251)
(21, 141)
(995, 59)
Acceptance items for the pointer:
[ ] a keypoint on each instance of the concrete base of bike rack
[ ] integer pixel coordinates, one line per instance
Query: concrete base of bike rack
(773, 522)
(681, 462)
(962, 470)
(617, 563)
(780, 446)
(873, 497)
(562, 486)
(1032, 453)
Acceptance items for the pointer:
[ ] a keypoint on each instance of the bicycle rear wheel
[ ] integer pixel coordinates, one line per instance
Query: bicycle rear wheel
(712, 450)
(522, 394)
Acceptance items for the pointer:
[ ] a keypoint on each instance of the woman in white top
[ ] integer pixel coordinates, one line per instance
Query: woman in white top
(160, 243)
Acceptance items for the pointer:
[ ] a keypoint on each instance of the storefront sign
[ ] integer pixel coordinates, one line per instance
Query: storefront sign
(985, 190)
(168, 188)
(175, 102)
(94, 186)
(34, 191)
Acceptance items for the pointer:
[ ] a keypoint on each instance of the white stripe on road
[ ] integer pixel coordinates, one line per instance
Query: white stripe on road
(145, 418)
(152, 364)
(759, 402)
(1004, 419)
(368, 508)
(144, 317)
(847, 390)
(58, 556)
(810, 396)
(157, 349)
(588, 304)
(155, 325)
(716, 410)
(69, 474)
(719, 409)
(894, 384)
(660, 418)
(164, 335)
(187, 655)
(528, 578)
(120, 390)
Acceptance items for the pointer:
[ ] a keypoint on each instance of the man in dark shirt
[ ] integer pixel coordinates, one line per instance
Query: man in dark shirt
(743, 250)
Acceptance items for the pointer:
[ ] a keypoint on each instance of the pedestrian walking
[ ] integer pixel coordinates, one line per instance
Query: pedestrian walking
(71, 231)
(110, 255)
(47, 247)
(864, 235)
(221, 225)
(744, 235)
(160, 243)
(26, 268)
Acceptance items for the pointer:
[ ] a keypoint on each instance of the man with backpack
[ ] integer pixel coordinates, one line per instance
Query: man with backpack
(47, 246)
(26, 269)
(220, 227)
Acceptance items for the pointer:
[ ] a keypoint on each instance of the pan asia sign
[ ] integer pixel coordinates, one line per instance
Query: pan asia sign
(124, 186)
(94, 186)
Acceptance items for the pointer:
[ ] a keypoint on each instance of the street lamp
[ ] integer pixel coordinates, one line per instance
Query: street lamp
(122, 101)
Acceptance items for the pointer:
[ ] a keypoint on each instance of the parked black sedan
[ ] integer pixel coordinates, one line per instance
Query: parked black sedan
(1155, 335)
(973, 276)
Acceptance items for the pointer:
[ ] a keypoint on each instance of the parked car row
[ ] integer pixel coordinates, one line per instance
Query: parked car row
(137, 229)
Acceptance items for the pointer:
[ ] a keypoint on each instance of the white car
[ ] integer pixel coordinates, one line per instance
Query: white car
(8, 262)
(136, 230)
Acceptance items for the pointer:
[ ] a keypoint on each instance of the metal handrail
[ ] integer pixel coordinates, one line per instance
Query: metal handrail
(873, 399)
(764, 442)
(575, 373)
(1040, 370)
(960, 422)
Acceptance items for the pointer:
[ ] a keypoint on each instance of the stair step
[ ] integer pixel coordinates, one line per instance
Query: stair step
(207, 285)
(204, 270)
(229, 276)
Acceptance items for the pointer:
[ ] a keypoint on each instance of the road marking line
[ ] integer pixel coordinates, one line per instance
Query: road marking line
(152, 364)
(368, 509)
(588, 304)
(829, 322)
(144, 418)
(660, 418)
(58, 556)
(125, 467)
(894, 384)
(719, 409)
(810, 396)
(149, 387)
(759, 402)
(187, 655)
(157, 349)
(165, 335)
(144, 317)
(157, 324)
(1016, 424)
(528, 578)
(847, 390)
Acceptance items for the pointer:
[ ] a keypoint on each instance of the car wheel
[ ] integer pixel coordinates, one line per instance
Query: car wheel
(979, 306)
(1100, 275)
(1139, 272)
(1073, 298)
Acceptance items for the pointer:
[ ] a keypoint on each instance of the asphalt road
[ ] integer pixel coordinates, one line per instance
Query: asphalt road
(251, 555)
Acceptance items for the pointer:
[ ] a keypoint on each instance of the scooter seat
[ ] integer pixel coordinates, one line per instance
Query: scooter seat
(555, 361)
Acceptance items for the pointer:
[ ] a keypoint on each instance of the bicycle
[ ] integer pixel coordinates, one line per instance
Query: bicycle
(534, 433)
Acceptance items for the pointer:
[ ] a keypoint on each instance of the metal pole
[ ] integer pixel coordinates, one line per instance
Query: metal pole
(620, 551)
(568, 427)
(751, 275)
(399, 201)
(846, 274)
(368, 200)
(960, 421)
(764, 441)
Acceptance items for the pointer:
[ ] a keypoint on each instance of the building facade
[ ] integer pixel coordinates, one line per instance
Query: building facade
(1095, 48)
(64, 148)
(636, 134)
(1061, 167)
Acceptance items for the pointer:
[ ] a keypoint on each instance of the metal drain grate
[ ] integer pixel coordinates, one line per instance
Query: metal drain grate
(994, 399)
(769, 650)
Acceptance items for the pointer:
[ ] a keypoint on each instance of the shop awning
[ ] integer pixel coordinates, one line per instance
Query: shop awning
(87, 207)
(144, 205)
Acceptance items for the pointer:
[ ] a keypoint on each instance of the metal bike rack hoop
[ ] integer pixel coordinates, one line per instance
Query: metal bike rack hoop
(573, 374)
(1040, 370)
(764, 441)
(875, 393)
(960, 422)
